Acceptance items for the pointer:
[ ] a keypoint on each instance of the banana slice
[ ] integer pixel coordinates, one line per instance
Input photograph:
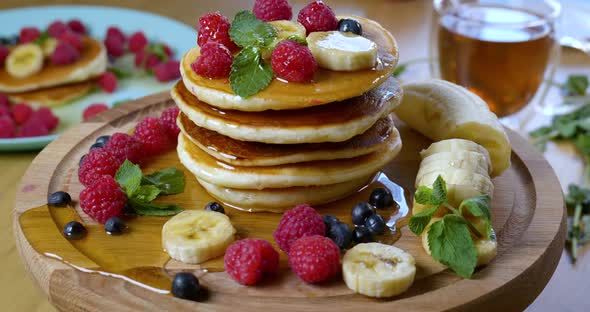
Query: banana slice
(378, 270)
(456, 145)
(195, 236)
(285, 29)
(473, 161)
(24, 60)
(342, 51)
(443, 110)
(49, 46)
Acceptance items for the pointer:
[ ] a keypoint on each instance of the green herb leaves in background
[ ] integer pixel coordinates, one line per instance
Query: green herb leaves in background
(578, 224)
(575, 85)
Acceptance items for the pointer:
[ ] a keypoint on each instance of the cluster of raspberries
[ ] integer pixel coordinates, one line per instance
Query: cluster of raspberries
(21, 120)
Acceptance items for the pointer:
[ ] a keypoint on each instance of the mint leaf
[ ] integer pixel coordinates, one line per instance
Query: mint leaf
(439, 191)
(423, 195)
(158, 50)
(42, 38)
(478, 206)
(249, 75)
(120, 73)
(150, 209)
(297, 39)
(419, 221)
(147, 193)
(246, 30)
(451, 244)
(129, 177)
(168, 181)
(576, 85)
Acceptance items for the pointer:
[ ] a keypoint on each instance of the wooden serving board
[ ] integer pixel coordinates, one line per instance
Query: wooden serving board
(529, 219)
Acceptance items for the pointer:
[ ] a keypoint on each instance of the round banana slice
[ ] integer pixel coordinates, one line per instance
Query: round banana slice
(285, 29)
(24, 60)
(342, 51)
(195, 236)
(378, 270)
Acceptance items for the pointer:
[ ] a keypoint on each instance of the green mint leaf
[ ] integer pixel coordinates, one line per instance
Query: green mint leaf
(168, 181)
(566, 129)
(147, 193)
(451, 244)
(478, 206)
(583, 143)
(151, 209)
(419, 221)
(120, 73)
(246, 30)
(439, 191)
(576, 85)
(297, 39)
(400, 69)
(158, 50)
(249, 75)
(42, 38)
(423, 195)
(129, 177)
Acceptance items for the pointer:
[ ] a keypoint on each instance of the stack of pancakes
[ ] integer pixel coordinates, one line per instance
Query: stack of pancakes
(291, 143)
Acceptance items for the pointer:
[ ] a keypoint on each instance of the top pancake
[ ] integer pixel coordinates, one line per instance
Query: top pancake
(328, 86)
(92, 63)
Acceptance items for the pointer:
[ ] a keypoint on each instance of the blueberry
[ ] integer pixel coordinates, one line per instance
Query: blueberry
(74, 230)
(115, 226)
(381, 198)
(186, 286)
(341, 235)
(81, 160)
(103, 139)
(328, 220)
(360, 212)
(350, 25)
(215, 206)
(59, 199)
(96, 145)
(375, 224)
(362, 235)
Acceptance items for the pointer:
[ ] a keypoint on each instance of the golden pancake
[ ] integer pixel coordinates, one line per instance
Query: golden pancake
(93, 62)
(328, 86)
(322, 172)
(243, 153)
(55, 96)
(334, 122)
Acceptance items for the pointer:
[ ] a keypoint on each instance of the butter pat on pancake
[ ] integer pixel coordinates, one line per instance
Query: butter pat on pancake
(54, 96)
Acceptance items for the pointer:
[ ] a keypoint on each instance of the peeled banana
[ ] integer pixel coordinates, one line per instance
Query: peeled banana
(339, 51)
(378, 270)
(195, 236)
(443, 110)
(24, 60)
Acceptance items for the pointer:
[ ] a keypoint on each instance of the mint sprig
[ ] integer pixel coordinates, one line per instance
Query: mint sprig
(247, 30)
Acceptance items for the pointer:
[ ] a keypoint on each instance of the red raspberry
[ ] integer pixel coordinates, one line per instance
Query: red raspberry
(248, 260)
(167, 50)
(152, 135)
(7, 127)
(272, 10)
(115, 42)
(45, 115)
(21, 113)
(108, 82)
(103, 199)
(215, 27)
(29, 34)
(167, 71)
(137, 42)
(168, 119)
(314, 259)
(57, 28)
(214, 62)
(4, 102)
(77, 26)
(298, 222)
(115, 32)
(3, 54)
(33, 128)
(73, 39)
(123, 146)
(317, 16)
(293, 62)
(97, 163)
(64, 54)
(94, 109)
(146, 60)
(5, 111)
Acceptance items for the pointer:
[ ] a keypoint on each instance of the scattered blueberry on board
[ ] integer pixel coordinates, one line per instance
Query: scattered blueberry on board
(74, 230)
(341, 235)
(361, 234)
(103, 139)
(96, 145)
(381, 198)
(360, 212)
(350, 25)
(115, 226)
(375, 224)
(59, 199)
(215, 206)
(186, 286)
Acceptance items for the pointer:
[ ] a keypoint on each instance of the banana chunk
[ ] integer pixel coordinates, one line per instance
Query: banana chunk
(25, 60)
(286, 29)
(195, 236)
(473, 161)
(442, 110)
(456, 145)
(339, 51)
(378, 270)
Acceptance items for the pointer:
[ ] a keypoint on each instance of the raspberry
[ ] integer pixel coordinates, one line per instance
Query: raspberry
(93, 109)
(248, 260)
(4, 102)
(115, 32)
(21, 113)
(298, 222)
(137, 42)
(73, 39)
(3, 54)
(146, 60)
(77, 26)
(29, 34)
(314, 259)
(97, 163)
(168, 119)
(5, 111)
(45, 116)
(64, 54)
(57, 28)
(33, 128)
(108, 82)
(115, 42)
(152, 135)
(272, 10)
(215, 27)
(103, 199)
(214, 62)
(123, 146)
(167, 71)
(293, 61)
(7, 127)
(167, 50)
(317, 16)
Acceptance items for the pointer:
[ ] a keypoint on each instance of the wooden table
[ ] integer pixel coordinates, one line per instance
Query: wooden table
(408, 20)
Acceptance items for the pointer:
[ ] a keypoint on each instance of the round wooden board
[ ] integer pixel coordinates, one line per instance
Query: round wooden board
(529, 218)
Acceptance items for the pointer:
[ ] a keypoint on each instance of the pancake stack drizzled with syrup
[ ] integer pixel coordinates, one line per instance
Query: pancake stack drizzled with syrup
(291, 143)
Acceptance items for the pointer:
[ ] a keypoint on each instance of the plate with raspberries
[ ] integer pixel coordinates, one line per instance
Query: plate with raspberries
(61, 65)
